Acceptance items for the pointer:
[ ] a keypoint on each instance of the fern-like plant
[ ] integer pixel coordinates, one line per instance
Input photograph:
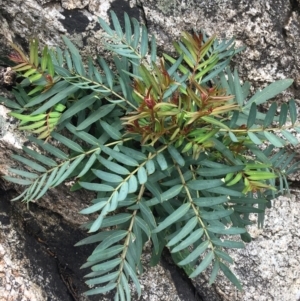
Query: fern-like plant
(170, 146)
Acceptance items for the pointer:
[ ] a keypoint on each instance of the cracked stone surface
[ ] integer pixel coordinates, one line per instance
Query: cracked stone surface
(269, 266)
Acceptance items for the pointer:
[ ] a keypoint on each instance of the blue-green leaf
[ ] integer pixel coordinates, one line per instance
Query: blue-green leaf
(142, 175)
(150, 167)
(166, 195)
(223, 255)
(101, 290)
(144, 41)
(293, 111)
(96, 187)
(120, 156)
(176, 155)
(112, 166)
(114, 237)
(211, 201)
(212, 172)
(227, 272)
(67, 142)
(204, 184)
(276, 141)
(175, 216)
(108, 265)
(226, 231)
(290, 137)
(106, 278)
(203, 265)
(215, 214)
(252, 115)
(270, 114)
(195, 254)
(78, 106)
(193, 237)
(18, 180)
(133, 276)
(133, 184)
(88, 164)
(96, 115)
(70, 169)
(123, 191)
(116, 23)
(143, 225)
(238, 89)
(283, 114)
(137, 155)
(161, 161)
(110, 130)
(228, 243)
(108, 177)
(96, 207)
(270, 91)
(30, 163)
(214, 272)
(23, 173)
(188, 228)
(55, 99)
(254, 138)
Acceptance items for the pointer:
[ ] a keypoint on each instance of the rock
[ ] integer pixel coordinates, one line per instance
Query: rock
(268, 267)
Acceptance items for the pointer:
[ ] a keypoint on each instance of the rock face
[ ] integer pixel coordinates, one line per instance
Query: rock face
(37, 257)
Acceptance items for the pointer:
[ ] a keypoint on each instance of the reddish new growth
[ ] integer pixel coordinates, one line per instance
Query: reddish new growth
(16, 57)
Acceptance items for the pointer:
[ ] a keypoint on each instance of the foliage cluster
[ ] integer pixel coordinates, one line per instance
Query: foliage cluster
(171, 147)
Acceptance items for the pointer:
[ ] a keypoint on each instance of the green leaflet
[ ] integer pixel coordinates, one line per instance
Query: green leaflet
(228, 243)
(193, 237)
(106, 176)
(204, 184)
(30, 163)
(226, 231)
(214, 272)
(227, 272)
(251, 116)
(270, 114)
(119, 156)
(142, 175)
(133, 276)
(215, 214)
(132, 184)
(196, 253)
(176, 215)
(223, 255)
(166, 195)
(114, 167)
(67, 142)
(211, 201)
(269, 92)
(224, 170)
(161, 161)
(101, 290)
(203, 265)
(139, 156)
(188, 227)
(276, 141)
(96, 187)
(176, 155)
(96, 115)
(110, 130)
(80, 105)
(111, 239)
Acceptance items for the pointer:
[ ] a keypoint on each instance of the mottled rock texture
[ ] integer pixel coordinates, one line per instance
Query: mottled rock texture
(269, 266)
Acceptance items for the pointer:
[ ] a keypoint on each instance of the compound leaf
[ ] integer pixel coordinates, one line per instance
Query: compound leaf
(175, 216)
